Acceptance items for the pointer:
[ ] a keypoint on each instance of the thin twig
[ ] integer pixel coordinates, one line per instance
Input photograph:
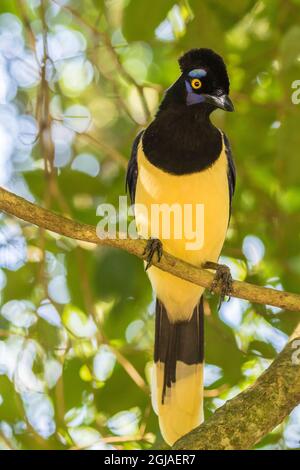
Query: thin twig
(27, 24)
(243, 421)
(19, 207)
(114, 55)
(106, 148)
(5, 440)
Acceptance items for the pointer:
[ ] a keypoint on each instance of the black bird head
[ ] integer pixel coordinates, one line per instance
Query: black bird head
(204, 82)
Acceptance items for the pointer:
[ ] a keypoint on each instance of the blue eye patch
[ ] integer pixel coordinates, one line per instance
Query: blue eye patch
(197, 73)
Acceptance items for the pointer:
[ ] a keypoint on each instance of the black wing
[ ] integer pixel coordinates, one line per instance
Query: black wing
(231, 174)
(132, 168)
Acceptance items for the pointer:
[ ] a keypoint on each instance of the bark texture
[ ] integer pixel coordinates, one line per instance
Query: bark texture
(19, 207)
(247, 418)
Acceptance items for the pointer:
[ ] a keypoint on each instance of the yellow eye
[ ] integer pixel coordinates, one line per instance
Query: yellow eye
(196, 83)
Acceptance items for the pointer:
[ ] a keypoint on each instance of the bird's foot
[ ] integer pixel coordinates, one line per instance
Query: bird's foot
(222, 279)
(154, 245)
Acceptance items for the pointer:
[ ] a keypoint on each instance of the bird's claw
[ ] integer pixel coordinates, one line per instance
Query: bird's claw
(154, 245)
(222, 280)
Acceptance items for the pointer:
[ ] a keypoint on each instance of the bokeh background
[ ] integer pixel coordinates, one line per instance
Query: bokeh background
(78, 79)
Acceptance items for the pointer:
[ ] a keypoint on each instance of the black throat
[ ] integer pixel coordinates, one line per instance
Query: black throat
(182, 140)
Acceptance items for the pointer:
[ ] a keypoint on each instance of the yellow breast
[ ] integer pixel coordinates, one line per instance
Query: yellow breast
(203, 200)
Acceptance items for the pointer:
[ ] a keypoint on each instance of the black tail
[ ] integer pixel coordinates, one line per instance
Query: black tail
(178, 356)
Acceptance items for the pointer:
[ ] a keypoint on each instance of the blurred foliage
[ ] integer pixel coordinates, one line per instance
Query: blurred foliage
(77, 81)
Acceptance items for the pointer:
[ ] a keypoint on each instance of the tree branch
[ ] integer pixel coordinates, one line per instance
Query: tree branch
(243, 421)
(246, 419)
(19, 207)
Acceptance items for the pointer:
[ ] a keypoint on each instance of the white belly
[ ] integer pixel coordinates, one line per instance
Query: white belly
(207, 190)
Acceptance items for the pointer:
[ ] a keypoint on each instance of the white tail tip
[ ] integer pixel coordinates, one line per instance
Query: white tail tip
(182, 407)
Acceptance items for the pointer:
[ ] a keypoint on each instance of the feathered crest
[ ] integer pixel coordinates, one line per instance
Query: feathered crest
(207, 58)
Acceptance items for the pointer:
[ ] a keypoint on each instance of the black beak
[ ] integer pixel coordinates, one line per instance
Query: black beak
(222, 101)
